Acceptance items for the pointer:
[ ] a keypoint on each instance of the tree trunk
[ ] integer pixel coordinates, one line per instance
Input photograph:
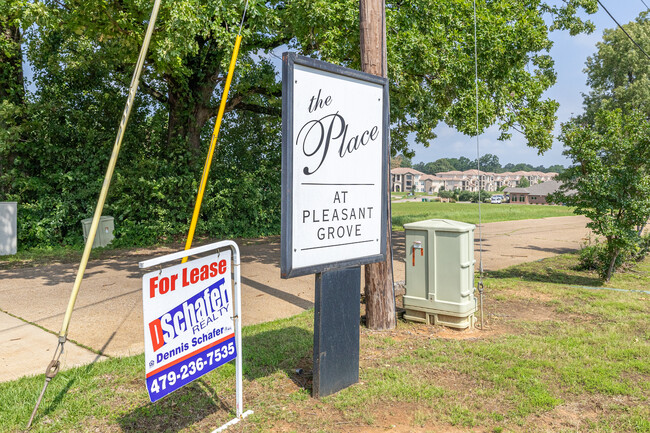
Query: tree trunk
(190, 96)
(610, 270)
(187, 116)
(380, 296)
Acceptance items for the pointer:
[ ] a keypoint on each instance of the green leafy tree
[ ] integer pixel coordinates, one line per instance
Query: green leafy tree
(618, 72)
(609, 147)
(523, 182)
(400, 161)
(522, 166)
(462, 163)
(438, 166)
(192, 46)
(12, 87)
(405, 162)
(557, 168)
(610, 180)
(490, 162)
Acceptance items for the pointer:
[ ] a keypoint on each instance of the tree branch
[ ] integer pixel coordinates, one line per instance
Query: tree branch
(269, 111)
(154, 93)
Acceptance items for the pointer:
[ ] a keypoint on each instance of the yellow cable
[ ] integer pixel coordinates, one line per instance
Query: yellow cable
(213, 144)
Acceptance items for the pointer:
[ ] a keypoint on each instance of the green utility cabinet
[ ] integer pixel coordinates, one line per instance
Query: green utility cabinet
(104, 234)
(440, 273)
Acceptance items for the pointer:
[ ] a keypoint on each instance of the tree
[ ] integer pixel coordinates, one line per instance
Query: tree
(610, 180)
(399, 161)
(12, 89)
(462, 163)
(189, 54)
(13, 107)
(609, 147)
(522, 166)
(439, 166)
(193, 42)
(618, 73)
(523, 182)
(490, 162)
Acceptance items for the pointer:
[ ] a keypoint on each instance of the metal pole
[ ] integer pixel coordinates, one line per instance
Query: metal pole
(53, 368)
(213, 144)
(215, 135)
(239, 387)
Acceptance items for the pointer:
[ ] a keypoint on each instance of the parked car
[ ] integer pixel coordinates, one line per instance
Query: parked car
(496, 199)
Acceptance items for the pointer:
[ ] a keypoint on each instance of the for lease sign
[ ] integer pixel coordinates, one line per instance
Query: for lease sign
(334, 176)
(188, 325)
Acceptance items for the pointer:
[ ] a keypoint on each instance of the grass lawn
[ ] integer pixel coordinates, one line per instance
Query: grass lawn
(555, 356)
(468, 212)
(402, 213)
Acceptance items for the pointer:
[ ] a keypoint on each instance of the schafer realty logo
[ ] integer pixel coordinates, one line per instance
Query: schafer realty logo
(334, 157)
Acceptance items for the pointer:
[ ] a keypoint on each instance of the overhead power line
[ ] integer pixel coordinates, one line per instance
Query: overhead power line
(621, 27)
(646, 6)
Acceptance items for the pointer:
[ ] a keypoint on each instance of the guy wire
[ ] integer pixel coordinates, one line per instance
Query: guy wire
(242, 17)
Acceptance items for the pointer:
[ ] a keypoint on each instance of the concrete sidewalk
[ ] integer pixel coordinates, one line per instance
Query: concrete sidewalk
(108, 312)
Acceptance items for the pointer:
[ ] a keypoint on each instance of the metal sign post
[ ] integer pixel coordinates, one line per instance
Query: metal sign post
(334, 199)
(187, 320)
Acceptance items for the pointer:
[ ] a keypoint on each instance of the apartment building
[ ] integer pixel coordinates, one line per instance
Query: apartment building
(408, 179)
(405, 179)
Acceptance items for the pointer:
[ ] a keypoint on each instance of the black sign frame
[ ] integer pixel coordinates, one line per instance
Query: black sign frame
(289, 60)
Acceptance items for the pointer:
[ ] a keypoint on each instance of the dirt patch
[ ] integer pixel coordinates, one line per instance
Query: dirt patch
(581, 413)
(529, 309)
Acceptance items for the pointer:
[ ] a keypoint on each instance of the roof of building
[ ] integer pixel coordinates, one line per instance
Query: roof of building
(542, 189)
(405, 170)
(431, 177)
(449, 173)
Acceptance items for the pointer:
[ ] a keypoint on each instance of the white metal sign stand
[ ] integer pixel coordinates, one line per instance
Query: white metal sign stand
(175, 257)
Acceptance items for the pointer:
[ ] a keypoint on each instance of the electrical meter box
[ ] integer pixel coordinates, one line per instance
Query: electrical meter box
(440, 273)
(8, 228)
(105, 229)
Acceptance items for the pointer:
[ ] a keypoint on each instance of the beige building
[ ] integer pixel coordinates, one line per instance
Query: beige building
(473, 180)
(408, 179)
(403, 179)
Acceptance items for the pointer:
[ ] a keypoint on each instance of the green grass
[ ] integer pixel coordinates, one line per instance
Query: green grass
(402, 195)
(468, 212)
(402, 213)
(557, 356)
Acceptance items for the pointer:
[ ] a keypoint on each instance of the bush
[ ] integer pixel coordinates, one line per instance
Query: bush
(153, 189)
(596, 256)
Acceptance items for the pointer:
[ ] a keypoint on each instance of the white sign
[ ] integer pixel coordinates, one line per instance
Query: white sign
(188, 325)
(336, 145)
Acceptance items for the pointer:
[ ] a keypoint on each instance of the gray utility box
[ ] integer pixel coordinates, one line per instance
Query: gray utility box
(8, 228)
(105, 229)
(440, 273)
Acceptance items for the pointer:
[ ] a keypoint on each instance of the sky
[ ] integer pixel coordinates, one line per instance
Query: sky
(570, 54)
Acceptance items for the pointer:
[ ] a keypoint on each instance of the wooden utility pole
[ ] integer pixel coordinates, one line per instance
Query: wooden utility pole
(380, 296)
